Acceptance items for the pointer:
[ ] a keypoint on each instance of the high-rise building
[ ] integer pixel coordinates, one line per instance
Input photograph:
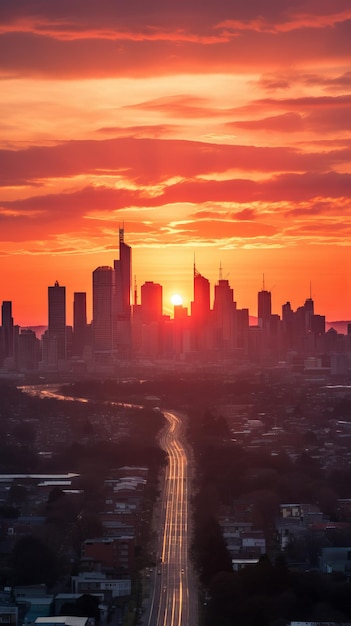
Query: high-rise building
(57, 322)
(79, 322)
(200, 307)
(224, 309)
(122, 335)
(7, 336)
(149, 319)
(264, 308)
(309, 312)
(103, 280)
(151, 302)
(200, 313)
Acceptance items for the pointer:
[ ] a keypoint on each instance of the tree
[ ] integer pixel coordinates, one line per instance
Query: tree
(210, 550)
(34, 562)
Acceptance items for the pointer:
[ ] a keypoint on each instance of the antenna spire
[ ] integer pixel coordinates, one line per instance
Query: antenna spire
(220, 271)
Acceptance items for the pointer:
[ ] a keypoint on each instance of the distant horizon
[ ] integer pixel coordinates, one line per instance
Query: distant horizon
(252, 319)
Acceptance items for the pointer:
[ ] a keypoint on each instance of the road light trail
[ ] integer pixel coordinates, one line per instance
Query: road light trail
(174, 597)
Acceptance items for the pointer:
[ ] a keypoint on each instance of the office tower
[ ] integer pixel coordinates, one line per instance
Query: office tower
(57, 323)
(150, 318)
(103, 279)
(200, 307)
(264, 308)
(79, 322)
(309, 312)
(151, 302)
(121, 299)
(7, 336)
(200, 313)
(224, 309)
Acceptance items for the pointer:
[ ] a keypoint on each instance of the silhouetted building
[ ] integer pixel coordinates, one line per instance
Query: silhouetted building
(224, 309)
(151, 302)
(150, 318)
(264, 308)
(103, 279)
(7, 334)
(122, 336)
(57, 323)
(79, 323)
(200, 313)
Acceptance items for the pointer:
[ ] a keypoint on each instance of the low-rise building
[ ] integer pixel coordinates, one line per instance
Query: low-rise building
(97, 582)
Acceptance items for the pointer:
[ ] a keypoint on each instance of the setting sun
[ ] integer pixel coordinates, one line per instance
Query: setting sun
(176, 299)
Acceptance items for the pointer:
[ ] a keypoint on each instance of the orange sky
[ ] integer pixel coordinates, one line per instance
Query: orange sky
(223, 132)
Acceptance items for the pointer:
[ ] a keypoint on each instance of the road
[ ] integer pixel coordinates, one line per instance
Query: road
(173, 599)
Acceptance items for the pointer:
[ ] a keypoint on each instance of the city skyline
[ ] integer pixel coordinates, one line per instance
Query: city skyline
(127, 330)
(224, 134)
(173, 299)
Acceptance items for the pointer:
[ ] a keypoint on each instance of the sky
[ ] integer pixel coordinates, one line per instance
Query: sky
(215, 130)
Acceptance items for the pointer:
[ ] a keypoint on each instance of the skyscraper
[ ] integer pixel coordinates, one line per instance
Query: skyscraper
(79, 322)
(200, 313)
(151, 302)
(200, 307)
(7, 337)
(122, 336)
(102, 311)
(264, 308)
(224, 309)
(57, 322)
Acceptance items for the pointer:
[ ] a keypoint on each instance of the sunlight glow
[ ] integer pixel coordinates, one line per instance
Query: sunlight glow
(176, 299)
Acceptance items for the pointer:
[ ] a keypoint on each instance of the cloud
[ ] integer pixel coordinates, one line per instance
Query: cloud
(180, 105)
(88, 40)
(213, 230)
(69, 211)
(286, 123)
(151, 161)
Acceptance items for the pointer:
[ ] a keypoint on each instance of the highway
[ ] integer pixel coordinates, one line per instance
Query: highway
(173, 591)
(173, 598)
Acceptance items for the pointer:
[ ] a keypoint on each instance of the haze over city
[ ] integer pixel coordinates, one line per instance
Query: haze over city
(223, 133)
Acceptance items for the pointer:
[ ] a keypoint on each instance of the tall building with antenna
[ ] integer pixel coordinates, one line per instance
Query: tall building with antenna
(224, 309)
(122, 336)
(264, 306)
(200, 312)
(200, 307)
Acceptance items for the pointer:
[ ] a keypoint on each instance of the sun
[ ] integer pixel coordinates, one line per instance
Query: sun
(176, 299)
